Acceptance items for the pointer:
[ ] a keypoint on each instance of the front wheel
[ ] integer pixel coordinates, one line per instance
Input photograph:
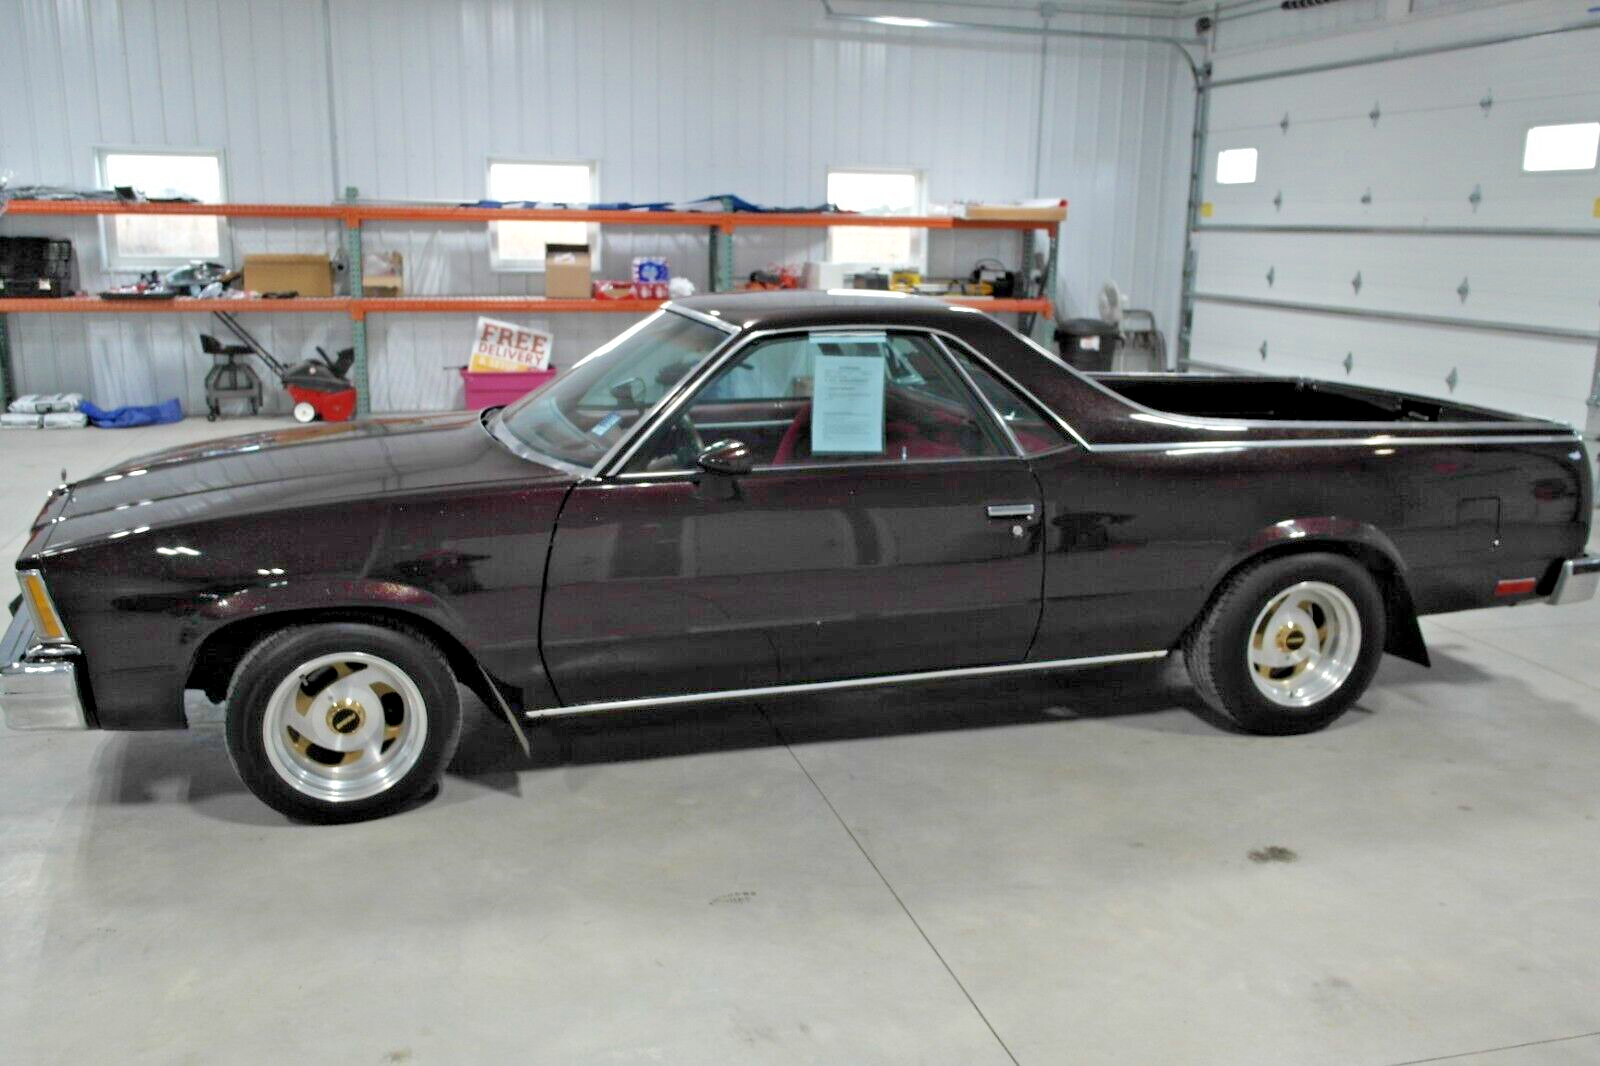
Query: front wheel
(1288, 644)
(342, 721)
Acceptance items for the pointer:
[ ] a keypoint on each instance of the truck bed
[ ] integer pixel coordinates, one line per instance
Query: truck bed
(1287, 399)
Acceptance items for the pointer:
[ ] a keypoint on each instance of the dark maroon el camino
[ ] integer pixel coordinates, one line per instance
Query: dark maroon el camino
(753, 494)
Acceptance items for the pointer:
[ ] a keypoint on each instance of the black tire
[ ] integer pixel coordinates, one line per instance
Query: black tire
(277, 656)
(1216, 648)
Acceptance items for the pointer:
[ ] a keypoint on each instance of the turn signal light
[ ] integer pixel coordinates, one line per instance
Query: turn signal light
(45, 620)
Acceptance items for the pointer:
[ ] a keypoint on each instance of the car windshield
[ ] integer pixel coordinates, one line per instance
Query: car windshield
(581, 414)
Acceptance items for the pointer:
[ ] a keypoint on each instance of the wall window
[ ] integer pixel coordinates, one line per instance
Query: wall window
(1571, 146)
(878, 192)
(1236, 166)
(146, 242)
(520, 245)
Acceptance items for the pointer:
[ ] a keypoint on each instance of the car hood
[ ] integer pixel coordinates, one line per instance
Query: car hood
(297, 466)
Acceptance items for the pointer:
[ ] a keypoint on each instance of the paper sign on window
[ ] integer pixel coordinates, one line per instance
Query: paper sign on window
(847, 397)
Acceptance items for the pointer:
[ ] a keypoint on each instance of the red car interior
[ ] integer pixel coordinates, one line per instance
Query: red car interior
(911, 430)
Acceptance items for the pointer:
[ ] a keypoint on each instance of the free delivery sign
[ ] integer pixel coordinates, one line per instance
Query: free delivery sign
(505, 346)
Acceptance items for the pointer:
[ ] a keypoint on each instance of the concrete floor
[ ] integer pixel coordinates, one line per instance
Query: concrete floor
(1042, 872)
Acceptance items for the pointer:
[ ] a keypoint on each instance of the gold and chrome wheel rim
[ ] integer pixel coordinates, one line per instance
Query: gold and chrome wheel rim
(344, 726)
(1304, 644)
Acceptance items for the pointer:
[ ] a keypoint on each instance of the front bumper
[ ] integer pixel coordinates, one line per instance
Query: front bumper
(1577, 580)
(39, 683)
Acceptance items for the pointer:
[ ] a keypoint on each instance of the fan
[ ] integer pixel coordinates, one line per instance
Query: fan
(1136, 326)
(1113, 303)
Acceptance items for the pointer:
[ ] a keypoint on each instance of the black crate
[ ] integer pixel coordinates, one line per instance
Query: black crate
(37, 266)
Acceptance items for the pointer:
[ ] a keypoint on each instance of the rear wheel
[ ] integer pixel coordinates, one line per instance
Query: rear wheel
(1288, 644)
(342, 721)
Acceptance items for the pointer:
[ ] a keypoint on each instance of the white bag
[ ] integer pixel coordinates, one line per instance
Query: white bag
(64, 420)
(44, 403)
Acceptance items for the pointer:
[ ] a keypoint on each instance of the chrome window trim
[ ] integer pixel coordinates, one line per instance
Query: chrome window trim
(497, 429)
(768, 468)
(1379, 441)
(618, 458)
(1049, 412)
(641, 428)
(765, 423)
(700, 316)
(846, 683)
(983, 400)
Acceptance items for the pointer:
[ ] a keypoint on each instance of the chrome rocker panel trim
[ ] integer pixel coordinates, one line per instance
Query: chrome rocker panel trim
(1577, 581)
(847, 683)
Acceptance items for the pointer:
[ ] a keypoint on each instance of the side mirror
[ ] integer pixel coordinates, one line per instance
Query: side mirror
(731, 458)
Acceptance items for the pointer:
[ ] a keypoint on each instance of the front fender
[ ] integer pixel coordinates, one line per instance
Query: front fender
(215, 612)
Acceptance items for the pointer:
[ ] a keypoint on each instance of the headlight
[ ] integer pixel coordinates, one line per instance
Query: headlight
(46, 622)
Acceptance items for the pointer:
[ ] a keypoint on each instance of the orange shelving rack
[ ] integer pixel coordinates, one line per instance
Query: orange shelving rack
(352, 213)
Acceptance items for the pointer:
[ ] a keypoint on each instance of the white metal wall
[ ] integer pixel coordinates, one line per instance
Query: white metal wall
(248, 78)
(673, 98)
(1432, 142)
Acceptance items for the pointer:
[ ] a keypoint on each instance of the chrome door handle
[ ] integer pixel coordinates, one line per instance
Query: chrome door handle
(1011, 510)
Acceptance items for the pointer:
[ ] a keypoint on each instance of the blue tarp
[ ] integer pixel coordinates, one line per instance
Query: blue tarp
(734, 203)
(125, 417)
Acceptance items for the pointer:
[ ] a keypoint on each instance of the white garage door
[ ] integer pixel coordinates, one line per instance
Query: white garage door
(1391, 236)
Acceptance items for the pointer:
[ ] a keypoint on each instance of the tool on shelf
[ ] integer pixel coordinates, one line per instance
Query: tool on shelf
(318, 387)
(229, 379)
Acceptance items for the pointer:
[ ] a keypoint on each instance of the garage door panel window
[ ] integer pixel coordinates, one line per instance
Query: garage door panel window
(1569, 146)
(144, 242)
(834, 397)
(520, 246)
(1236, 166)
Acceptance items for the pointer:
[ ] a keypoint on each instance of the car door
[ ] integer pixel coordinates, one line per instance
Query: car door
(889, 526)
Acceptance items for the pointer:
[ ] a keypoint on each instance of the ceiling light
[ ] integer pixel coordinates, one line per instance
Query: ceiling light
(898, 20)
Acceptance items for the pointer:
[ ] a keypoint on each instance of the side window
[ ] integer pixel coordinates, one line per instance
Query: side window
(828, 397)
(1034, 433)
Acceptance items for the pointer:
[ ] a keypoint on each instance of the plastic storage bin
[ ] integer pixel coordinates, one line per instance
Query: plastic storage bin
(1088, 343)
(494, 389)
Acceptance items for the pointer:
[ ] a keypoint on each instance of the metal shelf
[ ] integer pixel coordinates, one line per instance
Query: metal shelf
(94, 305)
(356, 213)
(352, 214)
(376, 305)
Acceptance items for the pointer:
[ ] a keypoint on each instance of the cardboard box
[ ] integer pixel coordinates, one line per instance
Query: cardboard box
(1017, 212)
(566, 271)
(308, 275)
(381, 274)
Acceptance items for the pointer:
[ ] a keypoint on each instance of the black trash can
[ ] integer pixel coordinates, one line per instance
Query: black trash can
(1087, 343)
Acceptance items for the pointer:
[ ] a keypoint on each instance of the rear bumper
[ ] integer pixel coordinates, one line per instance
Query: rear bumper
(39, 684)
(1577, 580)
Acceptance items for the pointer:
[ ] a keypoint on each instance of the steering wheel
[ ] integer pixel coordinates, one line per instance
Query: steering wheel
(685, 441)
